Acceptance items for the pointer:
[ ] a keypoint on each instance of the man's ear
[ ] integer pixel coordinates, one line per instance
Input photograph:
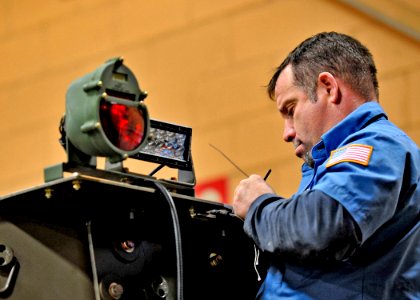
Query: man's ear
(328, 87)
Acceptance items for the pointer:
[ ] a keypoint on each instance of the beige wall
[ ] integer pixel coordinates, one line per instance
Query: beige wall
(204, 64)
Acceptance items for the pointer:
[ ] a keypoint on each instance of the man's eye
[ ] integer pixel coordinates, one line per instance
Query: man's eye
(288, 110)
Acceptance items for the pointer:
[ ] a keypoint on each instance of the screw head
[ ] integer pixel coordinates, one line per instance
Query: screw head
(128, 246)
(6, 255)
(115, 290)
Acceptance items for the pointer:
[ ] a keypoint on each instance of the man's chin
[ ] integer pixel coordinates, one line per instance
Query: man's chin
(304, 155)
(308, 159)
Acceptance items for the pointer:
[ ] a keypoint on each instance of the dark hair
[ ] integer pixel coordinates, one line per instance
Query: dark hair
(341, 55)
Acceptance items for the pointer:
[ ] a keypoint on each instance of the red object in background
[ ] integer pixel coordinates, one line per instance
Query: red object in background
(213, 190)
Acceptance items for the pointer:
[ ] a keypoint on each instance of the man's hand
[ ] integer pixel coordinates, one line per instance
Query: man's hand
(246, 192)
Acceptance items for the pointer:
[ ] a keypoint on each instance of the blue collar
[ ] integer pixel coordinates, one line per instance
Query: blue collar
(354, 122)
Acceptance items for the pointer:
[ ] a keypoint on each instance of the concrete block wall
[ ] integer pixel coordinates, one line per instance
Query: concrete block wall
(204, 64)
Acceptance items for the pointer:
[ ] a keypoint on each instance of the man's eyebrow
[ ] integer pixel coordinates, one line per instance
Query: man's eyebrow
(283, 107)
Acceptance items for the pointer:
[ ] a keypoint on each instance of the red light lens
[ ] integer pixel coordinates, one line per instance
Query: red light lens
(123, 125)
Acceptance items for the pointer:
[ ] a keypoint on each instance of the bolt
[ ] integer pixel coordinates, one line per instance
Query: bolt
(48, 193)
(115, 290)
(215, 259)
(128, 246)
(6, 255)
(192, 212)
(76, 185)
(124, 180)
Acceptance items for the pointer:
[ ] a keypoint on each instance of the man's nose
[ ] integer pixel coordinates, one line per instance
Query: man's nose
(289, 132)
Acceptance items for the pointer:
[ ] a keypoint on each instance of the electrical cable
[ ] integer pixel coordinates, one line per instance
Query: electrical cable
(177, 235)
(93, 261)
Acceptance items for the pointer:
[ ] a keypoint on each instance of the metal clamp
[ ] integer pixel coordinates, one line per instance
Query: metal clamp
(7, 267)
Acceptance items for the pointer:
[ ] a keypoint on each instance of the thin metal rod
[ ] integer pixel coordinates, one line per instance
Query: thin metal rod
(231, 161)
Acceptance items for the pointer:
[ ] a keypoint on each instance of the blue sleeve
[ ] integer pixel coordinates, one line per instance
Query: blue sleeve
(310, 225)
(372, 194)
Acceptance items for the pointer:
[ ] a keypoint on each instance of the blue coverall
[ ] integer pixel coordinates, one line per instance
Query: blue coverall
(352, 230)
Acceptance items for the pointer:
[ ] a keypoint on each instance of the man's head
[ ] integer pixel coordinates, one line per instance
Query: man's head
(341, 55)
(319, 83)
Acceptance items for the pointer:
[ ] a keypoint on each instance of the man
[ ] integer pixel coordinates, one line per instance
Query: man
(352, 229)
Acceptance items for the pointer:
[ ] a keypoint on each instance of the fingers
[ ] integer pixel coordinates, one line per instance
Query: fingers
(247, 191)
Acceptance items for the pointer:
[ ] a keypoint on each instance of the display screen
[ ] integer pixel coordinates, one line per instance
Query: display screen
(167, 144)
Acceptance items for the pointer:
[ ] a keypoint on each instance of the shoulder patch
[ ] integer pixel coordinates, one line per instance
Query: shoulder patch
(357, 153)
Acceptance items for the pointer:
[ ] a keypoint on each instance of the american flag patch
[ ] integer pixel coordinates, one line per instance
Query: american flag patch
(356, 153)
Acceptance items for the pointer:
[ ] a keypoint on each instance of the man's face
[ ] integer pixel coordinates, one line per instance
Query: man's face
(304, 120)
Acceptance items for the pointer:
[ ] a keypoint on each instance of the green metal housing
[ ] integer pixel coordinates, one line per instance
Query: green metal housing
(114, 82)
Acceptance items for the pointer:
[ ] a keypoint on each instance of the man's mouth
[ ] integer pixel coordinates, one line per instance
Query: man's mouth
(299, 148)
